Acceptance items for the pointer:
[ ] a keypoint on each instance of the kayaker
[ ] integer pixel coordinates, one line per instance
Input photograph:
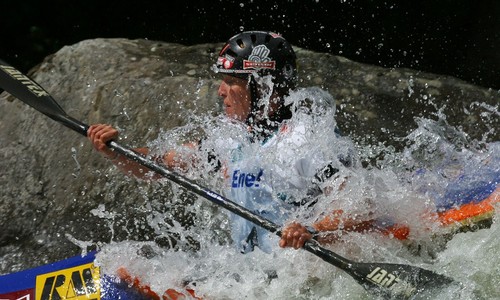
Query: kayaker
(259, 72)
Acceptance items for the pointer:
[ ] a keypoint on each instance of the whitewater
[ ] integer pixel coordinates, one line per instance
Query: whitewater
(405, 184)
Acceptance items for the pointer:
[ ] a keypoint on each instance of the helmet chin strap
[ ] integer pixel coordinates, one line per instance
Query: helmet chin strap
(264, 125)
(254, 99)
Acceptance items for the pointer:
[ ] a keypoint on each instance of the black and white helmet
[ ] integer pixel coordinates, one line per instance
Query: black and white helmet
(261, 52)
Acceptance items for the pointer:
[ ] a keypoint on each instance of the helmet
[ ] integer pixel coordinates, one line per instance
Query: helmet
(261, 52)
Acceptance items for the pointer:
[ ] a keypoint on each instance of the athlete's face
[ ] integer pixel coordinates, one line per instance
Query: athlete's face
(236, 96)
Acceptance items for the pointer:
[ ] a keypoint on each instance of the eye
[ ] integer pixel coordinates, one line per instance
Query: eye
(228, 81)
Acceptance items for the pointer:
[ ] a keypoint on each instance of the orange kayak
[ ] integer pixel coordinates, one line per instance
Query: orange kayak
(78, 278)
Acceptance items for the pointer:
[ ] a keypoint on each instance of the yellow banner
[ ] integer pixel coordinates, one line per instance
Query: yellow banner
(77, 283)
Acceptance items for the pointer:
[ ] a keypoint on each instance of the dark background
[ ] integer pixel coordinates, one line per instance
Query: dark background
(453, 37)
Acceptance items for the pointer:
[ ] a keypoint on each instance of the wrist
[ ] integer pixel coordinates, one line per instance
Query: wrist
(113, 156)
(312, 230)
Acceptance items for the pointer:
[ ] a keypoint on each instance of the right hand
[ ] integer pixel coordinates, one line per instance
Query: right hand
(294, 235)
(99, 135)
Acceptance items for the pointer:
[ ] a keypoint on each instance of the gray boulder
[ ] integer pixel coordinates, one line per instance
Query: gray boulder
(58, 195)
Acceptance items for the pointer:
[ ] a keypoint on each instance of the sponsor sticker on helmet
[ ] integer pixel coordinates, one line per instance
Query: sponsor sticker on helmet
(226, 62)
(259, 59)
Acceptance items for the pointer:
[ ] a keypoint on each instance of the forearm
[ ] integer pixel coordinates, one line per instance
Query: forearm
(182, 160)
(131, 167)
(172, 160)
(338, 221)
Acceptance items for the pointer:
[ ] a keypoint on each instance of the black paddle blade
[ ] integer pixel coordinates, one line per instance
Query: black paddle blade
(393, 281)
(27, 90)
(396, 281)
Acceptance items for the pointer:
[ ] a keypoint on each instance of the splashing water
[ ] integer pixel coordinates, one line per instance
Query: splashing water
(437, 163)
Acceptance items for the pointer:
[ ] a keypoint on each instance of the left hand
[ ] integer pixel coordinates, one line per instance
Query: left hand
(99, 135)
(294, 235)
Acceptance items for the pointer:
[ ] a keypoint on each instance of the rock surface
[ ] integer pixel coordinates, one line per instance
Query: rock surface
(56, 195)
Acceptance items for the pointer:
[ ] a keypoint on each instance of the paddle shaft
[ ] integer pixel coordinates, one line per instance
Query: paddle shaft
(311, 246)
(379, 277)
(28, 91)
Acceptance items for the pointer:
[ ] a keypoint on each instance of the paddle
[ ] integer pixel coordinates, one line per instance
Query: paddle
(392, 280)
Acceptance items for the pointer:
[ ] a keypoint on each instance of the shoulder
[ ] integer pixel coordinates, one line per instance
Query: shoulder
(312, 99)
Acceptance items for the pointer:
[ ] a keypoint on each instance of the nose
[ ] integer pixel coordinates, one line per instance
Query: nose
(222, 91)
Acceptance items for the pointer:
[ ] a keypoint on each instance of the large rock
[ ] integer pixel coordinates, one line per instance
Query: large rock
(57, 194)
